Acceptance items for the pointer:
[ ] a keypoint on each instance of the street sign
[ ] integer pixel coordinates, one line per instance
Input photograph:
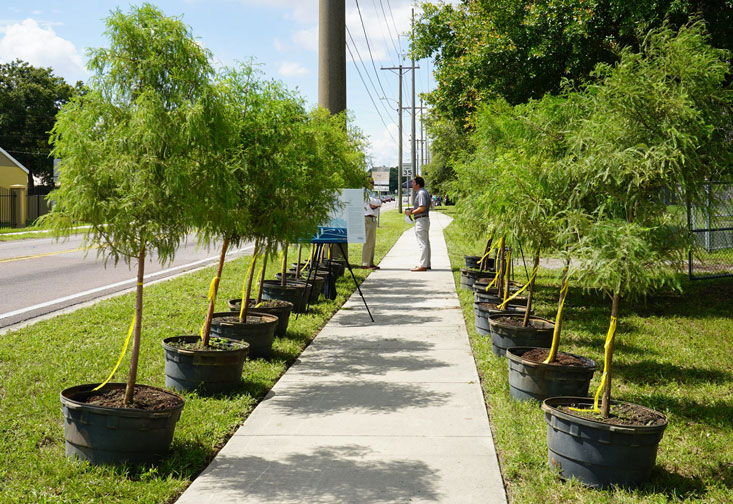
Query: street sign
(381, 188)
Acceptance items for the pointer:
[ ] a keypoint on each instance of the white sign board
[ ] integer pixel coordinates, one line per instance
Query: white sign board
(380, 176)
(382, 188)
(347, 221)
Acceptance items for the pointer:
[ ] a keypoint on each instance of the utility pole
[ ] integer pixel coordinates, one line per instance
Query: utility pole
(400, 70)
(414, 164)
(332, 55)
(332, 66)
(422, 138)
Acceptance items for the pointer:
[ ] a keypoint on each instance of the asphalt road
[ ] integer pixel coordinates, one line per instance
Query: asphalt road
(41, 276)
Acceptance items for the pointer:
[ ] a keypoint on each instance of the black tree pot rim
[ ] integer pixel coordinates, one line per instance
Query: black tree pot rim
(516, 353)
(238, 301)
(268, 318)
(235, 345)
(493, 318)
(86, 389)
(551, 405)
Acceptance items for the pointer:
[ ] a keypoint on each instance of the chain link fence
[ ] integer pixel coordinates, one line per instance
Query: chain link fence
(712, 231)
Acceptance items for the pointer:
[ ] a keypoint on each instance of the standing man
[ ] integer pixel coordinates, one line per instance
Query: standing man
(371, 209)
(422, 223)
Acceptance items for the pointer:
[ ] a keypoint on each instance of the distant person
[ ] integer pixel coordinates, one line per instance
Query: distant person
(421, 214)
(371, 211)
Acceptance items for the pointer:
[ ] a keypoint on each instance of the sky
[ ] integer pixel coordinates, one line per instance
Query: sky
(281, 36)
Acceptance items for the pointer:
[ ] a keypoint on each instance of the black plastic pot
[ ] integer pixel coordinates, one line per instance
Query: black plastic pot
(469, 276)
(209, 370)
(537, 334)
(482, 311)
(530, 380)
(321, 277)
(281, 312)
(481, 295)
(338, 268)
(103, 435)
(315, 285)
(472, 262)
(293, 292)
(259, 335)
(599, 454)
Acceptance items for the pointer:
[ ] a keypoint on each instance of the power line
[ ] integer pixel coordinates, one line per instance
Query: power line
(353, 43)
(368, 93)
(363, 27)
(389, 6)
(391, 37)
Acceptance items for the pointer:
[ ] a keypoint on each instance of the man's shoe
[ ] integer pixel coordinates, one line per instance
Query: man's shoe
(420, 268)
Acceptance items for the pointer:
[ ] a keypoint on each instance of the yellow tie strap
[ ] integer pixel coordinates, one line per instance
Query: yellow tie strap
(604, 376)
(244, 286)
(556, 331)
(534, 273)
(210, 297)
(122, 354)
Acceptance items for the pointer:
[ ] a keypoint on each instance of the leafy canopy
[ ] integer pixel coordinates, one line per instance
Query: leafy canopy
(136, 148)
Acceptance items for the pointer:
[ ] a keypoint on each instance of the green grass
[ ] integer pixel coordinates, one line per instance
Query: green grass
(24, 233)
(673, 354)
(38, 361)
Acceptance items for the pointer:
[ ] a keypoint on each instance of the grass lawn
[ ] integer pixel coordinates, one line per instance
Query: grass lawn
(37, 362)
(673, 354)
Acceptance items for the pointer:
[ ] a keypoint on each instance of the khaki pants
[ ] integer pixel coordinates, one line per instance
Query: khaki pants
(367, 251)
(422, 232)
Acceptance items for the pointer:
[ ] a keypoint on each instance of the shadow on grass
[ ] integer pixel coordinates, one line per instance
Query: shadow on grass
(716, 414)
(679, 487)
(649, 371)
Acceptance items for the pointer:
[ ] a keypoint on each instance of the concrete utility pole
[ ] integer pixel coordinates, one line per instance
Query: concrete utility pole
(422, 139)
(332, 65)
(332, 55)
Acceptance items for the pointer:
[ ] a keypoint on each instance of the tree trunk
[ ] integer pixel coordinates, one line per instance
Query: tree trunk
(606, 404)
(248, 290)
(210, 313)
(297, 266)
(484, 257)
(135, 356)
(558, 319)
(525, 322)
(284, 267)
(262, 279)
(500, 280)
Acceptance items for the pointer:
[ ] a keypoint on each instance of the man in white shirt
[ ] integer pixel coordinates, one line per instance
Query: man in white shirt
(421, 214)
(371, 212)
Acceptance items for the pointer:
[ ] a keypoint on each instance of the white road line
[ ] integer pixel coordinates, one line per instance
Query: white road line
(112, 286)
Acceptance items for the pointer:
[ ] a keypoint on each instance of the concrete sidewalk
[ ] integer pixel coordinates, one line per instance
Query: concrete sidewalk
(383, 412)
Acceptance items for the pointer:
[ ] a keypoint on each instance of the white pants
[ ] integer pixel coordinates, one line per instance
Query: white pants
(367, 251)
(422, 232)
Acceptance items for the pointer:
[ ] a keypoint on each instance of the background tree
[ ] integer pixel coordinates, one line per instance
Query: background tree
(659, 119)
(522, 49)
(30, 98)
(134, 147)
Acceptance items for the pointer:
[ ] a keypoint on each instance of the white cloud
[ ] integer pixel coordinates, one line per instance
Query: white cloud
(307, 39)
(42, 47)
(300, 11)
(383, 147)
(291, 69)
(280, 46)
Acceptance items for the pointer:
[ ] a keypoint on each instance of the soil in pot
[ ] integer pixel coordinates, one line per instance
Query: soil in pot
(281, 309)
(507, 332)
(619, 451)
(99, 428)
(531, 379)
(217, 367)
(143, 398)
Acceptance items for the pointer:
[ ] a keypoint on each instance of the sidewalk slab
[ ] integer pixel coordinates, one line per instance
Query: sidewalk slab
(371, 412)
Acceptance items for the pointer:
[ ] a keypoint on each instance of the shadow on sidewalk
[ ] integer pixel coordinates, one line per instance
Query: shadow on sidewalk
(347, 473)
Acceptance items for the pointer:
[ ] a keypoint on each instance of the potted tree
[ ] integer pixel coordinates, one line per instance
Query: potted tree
(657, 121)
(131, 149)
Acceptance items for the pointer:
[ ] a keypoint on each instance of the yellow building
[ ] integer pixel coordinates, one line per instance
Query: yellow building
(13, 191)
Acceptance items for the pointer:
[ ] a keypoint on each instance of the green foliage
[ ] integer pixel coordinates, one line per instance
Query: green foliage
(138, 142)
(30, 97)
(522, 49)
(660, 119)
